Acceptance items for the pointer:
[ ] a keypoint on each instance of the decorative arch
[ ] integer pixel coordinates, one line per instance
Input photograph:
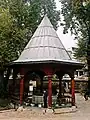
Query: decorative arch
(71, 89)
(35, 75)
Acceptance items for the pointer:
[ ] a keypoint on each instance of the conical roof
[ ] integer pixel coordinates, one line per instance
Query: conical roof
(44, 45)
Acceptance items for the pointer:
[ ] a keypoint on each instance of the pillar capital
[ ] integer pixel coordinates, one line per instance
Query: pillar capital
(48, 71)
(22, 71)
(50, 76)
(21, 76)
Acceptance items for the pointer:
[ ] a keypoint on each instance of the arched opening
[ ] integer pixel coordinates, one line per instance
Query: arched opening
(14, 85)
(64, 89)
(33, 87)
(32, 79)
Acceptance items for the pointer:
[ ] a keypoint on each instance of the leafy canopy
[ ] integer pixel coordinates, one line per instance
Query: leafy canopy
(18, 21)
(77, 18)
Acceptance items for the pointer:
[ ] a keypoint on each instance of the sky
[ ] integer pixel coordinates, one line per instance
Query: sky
(67, 40)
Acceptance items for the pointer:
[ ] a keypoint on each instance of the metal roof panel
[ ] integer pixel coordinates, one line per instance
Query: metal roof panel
(44, 45)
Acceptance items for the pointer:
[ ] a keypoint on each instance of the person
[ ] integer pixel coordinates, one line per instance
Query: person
(86, 95)
(45, 98)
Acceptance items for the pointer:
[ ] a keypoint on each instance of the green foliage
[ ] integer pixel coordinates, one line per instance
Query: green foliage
(18, 21)
(49, 7)
(80, 52)
(5, 28)
(77, 18)
(10, 38)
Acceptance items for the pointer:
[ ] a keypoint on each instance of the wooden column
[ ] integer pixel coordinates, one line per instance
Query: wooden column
(73, 91)
(21, 86)
(49, 73)
(49, 91)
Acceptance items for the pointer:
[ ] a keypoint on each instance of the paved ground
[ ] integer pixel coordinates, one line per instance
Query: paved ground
(83, 113)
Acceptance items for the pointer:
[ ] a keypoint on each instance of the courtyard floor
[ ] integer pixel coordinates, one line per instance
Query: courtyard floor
(82, 113)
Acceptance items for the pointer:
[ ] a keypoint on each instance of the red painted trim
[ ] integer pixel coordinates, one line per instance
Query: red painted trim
(49, 92)
(73, 91)
(21, 85)
(49, 72)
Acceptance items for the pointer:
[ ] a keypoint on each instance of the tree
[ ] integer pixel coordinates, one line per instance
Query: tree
(25, 16)
(49, 7)
(80, 52)
(77, 18)
(10, 42)
(18, 21)
(5, 26)
(42, 7)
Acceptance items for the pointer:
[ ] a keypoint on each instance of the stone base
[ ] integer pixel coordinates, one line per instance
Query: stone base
(65, 110)
(49, 110)
(20, 108)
